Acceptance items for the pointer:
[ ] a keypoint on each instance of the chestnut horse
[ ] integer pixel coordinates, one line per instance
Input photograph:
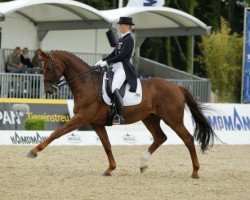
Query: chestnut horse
(161, 100)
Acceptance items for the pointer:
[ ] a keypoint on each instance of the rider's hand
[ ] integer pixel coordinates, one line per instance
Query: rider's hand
(103, 63)
(98, 63)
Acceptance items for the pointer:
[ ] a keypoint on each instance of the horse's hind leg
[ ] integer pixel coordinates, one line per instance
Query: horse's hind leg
(153, 125)
(188, 139)
(102, 133)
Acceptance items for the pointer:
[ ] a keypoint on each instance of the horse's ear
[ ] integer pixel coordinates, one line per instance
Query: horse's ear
(43, 54)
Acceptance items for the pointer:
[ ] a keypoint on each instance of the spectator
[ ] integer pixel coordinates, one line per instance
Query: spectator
(25, 59)
(37, 61)
(14, 62)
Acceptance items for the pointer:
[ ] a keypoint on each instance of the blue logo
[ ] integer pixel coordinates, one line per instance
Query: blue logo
(230, 123)
(149, 2)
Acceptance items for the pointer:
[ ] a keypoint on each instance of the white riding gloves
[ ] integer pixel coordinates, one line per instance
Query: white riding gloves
(98, 63)
(103, 63)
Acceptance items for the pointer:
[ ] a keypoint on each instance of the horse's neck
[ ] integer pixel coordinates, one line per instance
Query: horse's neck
(74, 67)
(74, 73)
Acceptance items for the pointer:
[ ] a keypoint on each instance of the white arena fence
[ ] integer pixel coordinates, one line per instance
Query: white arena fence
(28, 86)
(31, 86)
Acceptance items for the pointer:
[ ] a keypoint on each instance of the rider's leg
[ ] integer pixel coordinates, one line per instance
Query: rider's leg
(118, 119)
(119, 76)
(118, 80)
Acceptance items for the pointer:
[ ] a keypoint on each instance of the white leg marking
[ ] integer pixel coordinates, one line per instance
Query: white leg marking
(144, 159)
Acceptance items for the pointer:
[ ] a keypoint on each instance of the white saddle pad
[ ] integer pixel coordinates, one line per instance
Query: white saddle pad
(129, 99)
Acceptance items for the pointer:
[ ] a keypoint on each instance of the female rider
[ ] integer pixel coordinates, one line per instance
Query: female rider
(122, 67)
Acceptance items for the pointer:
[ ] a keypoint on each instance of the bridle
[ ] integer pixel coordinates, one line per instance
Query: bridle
(54, 82)
(57, 83)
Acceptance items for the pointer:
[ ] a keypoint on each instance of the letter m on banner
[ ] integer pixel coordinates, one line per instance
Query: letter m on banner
(246, 59)
(136, 3)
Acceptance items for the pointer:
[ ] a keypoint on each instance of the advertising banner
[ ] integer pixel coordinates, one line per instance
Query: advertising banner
(118, 136)
(231, 123)
(246, 60)
(55, 112)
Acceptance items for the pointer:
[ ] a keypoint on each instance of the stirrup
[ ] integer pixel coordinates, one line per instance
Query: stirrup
(118, 120)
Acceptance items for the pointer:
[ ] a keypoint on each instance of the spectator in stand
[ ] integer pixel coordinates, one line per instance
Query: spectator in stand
(37, 61)
(25, 59)
(14, 62)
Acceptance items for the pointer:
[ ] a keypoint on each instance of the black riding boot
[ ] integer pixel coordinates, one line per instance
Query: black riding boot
(119, 117)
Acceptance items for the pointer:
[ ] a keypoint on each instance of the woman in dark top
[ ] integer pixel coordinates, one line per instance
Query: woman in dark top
(37, 61)
(122, 67)
(25, 59)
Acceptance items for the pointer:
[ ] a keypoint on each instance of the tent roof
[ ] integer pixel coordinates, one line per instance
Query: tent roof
(56, 14)
(71, 15)
(160, 21)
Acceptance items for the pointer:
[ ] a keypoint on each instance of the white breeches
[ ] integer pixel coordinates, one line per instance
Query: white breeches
(119, 76)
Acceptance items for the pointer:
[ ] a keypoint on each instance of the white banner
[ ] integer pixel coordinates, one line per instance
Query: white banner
(137, 3)
(118, 136)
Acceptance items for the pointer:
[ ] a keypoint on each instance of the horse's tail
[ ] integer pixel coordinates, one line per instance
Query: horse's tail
(203, 132)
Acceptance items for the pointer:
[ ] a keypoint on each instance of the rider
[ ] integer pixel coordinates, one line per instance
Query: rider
(122, 67)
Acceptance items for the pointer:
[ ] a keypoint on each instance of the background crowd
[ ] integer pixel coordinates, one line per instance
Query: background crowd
(20, 62)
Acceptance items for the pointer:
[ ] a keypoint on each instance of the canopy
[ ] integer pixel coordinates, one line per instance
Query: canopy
(160, 21)
(71, 15)
(56, 14)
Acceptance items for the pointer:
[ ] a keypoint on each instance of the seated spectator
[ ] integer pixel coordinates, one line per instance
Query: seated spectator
(37, 61)
(25, 59)
(14, 62)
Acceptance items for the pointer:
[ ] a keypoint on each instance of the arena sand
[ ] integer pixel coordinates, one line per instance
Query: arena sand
(71, 172)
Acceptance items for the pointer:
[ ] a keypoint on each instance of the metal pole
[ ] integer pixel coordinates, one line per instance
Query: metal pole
(120, 4)
(192, 56)
(244, 55)
(96, 38)
(16, 118)
(138, 43)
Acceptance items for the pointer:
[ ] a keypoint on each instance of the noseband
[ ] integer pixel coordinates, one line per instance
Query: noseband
(57, 83)
(54, 82)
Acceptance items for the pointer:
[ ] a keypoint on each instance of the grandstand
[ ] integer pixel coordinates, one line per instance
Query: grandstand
(80, 29)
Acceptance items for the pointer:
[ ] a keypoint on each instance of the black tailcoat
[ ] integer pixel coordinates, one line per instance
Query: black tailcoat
(122, 53)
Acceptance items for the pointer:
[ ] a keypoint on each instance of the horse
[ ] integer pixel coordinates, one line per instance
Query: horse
(161, 100)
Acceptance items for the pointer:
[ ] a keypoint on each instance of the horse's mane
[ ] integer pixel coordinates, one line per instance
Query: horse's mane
(71, 55)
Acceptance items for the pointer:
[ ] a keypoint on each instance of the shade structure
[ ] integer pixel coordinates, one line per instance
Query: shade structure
(72, 15)
(159, 21)
(56, 15)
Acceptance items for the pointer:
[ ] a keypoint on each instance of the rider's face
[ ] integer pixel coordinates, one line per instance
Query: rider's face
(123, 28)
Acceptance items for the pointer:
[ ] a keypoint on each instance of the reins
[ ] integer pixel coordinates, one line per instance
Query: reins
(65, 82)
(60, 83)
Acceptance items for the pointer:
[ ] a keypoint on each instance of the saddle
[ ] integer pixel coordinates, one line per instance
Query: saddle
(129, 98)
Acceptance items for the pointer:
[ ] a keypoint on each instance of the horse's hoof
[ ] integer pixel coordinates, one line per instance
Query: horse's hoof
(31, 154)
(106, 174)
(144, 168)
(195, 176)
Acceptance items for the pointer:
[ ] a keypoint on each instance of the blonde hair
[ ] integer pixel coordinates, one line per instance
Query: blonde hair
(25, 49)
(132, 28)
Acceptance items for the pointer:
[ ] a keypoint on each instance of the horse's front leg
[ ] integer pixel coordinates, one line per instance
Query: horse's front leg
(102, 133)
(74, 123)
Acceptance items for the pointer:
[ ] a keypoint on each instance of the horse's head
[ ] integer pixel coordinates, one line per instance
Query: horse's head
(52, 71)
